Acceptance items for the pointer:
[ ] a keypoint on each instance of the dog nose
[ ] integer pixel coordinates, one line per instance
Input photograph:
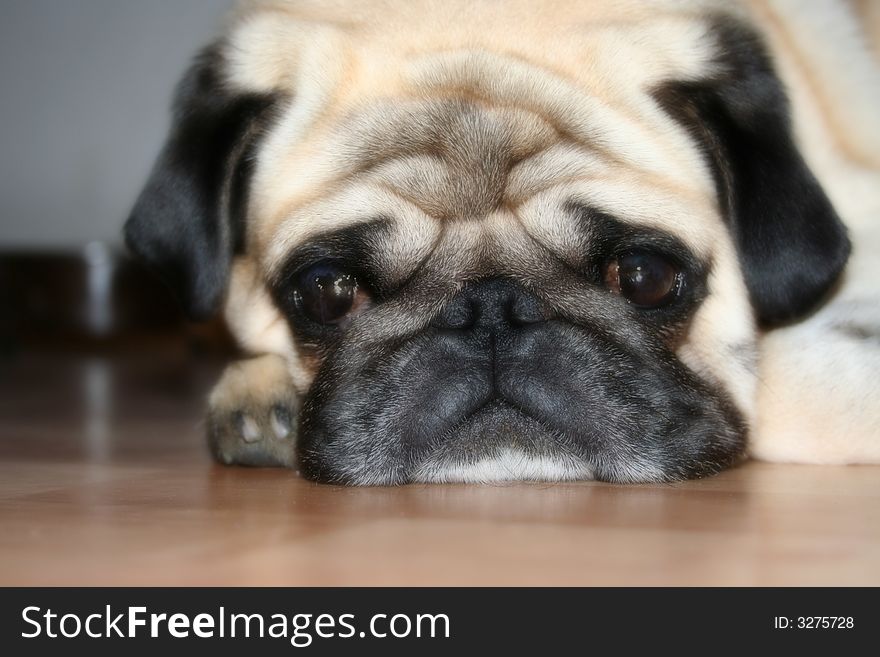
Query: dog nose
(492, 305)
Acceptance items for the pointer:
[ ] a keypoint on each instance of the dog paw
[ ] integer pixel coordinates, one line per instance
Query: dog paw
(253, 413)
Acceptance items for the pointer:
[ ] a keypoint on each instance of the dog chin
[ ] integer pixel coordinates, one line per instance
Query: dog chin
(507, 465)
(500, 443)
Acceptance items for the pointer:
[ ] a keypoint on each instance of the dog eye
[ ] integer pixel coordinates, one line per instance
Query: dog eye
(327, 294)
(647, 280)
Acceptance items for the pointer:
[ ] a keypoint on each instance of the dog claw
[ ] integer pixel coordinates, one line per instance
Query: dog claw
(281, 422)
(248, 428)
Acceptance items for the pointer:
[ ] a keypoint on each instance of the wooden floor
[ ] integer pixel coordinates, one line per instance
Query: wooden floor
(104, 479)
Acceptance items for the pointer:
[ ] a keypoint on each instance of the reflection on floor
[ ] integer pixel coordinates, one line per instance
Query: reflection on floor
(104, 479)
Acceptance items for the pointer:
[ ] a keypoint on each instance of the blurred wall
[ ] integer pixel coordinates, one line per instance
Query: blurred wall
(85, 87)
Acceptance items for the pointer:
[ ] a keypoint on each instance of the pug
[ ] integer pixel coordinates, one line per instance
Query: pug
(479, 241)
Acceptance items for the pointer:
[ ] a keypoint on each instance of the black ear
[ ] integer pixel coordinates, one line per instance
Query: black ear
(791, 243)
(188, 221)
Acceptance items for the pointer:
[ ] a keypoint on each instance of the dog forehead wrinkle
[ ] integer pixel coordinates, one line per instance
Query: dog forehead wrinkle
(511, 73)
(577, 109)
(455, 129)
(450, 157)
(462, 159)
(412, 235)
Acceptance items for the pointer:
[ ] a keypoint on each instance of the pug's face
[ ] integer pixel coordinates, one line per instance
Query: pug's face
(496, 253)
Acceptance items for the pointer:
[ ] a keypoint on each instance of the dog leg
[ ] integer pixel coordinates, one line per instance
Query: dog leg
(252, 416)
(819, 395)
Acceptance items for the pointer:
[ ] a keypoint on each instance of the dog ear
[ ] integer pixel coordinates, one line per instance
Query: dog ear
(791, 243)
(188, 221)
